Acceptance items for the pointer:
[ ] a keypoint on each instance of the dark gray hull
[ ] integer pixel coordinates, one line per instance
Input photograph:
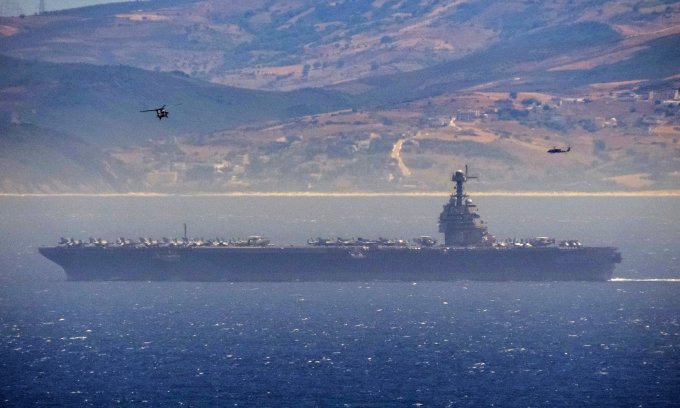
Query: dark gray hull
(285, 264)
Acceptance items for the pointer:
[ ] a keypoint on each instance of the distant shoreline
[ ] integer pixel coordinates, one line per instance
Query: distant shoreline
(651, 193)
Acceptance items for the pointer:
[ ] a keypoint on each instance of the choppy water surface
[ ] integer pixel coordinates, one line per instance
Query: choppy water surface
(339, 344)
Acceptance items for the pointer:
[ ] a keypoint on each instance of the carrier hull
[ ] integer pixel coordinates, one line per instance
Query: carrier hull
(468, 253)
(289, 264)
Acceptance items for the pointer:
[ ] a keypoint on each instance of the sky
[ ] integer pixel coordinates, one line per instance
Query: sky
(31, 6)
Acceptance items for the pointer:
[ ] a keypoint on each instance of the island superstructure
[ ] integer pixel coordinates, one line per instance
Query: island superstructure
(468, 252)
(459, 220)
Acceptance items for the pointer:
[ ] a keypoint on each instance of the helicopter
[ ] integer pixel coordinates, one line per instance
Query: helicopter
(160, 112)
(558, 150)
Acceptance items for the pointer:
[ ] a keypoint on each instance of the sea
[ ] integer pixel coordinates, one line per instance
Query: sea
(330, 344)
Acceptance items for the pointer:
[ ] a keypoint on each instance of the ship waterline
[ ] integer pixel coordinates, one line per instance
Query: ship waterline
(468, 253)
(281, 264)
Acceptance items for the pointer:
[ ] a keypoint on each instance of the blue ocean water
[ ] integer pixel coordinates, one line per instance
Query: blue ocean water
(352, 344)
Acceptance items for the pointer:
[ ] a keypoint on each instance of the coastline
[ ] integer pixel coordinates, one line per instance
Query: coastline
(649, 193)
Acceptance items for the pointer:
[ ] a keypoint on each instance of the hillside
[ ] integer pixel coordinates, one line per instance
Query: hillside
(101, 104)
(38, 160)
(619, 140)
(288, 44)
(408, 90)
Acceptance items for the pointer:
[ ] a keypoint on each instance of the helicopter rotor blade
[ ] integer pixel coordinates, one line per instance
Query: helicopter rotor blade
(154, 109)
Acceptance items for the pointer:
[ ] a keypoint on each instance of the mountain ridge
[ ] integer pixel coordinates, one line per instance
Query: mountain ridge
(403, 90)
(283, 44)
(107, 100)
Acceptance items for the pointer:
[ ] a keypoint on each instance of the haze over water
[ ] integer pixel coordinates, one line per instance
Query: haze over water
(339, 344)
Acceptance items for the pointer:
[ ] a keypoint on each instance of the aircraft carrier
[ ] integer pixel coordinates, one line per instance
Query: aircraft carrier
(468, 252)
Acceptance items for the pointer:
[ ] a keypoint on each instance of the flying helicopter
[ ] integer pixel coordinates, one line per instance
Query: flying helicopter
(558, 150)
(160, 112)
